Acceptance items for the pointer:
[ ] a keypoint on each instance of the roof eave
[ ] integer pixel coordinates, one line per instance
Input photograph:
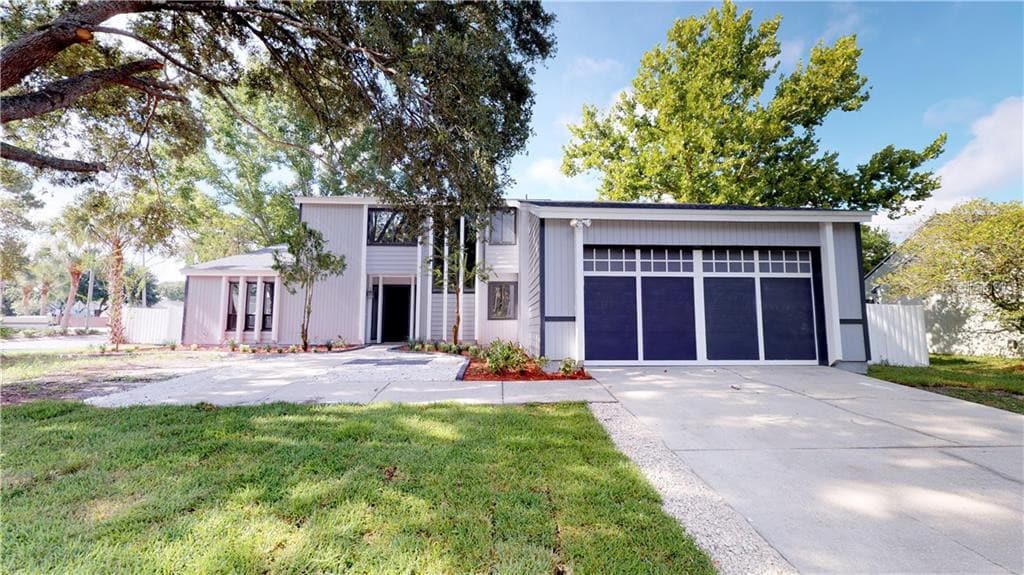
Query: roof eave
(705, 215)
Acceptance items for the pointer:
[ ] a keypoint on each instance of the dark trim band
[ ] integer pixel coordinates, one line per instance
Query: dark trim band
(560, 318)
(850, 320)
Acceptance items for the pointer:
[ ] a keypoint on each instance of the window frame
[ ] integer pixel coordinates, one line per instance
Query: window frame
(515, 227)
(267, 322)
(492, 288)
(250, 325)
(232, 318)
(370, 241)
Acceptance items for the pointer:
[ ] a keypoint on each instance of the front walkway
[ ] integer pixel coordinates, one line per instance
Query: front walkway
(369, 375)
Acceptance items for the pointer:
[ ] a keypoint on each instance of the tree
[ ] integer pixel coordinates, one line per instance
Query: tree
(454, 265)
(119, 221)
(975, 251)
(71, 261)
(172, 291)
(875, 246)
(47, 271)
(696, 126)
(308, 262)
(445, 87)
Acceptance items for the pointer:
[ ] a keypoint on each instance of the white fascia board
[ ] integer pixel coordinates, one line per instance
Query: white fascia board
(684, 215)
(228, 272)
(344, 200)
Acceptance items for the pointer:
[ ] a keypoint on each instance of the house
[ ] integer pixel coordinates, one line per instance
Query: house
(954, 323)
(602, 282)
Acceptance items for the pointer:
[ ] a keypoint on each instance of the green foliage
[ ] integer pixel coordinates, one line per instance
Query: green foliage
(697, 128)
(307, 261)
(876, 245)
(569, 366)
(232, 344)
(506, 357)
(173, 291)
(994, 381)
(973, 251)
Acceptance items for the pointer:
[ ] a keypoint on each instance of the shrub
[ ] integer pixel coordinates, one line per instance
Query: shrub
(473, 351)
(569, 366)
(280, 350)
(232, 345)
(244, 348)
(194, 347)
(266, 348)
(506, 357)
(7, 332)
(172, 346)
(293, 349)
(30, 333)
(103, 348)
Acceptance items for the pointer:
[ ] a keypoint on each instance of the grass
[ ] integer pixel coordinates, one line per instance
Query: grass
(21, 366)
(310, 489)
(993, 381)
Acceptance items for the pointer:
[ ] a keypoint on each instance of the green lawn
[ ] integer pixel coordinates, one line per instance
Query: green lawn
(311, 489)
(993, 381)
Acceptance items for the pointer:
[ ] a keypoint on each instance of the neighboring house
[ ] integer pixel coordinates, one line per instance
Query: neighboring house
(955, 323)
(603, 282)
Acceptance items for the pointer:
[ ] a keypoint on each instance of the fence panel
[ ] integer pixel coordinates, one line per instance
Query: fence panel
(898, 334)
(153, 324)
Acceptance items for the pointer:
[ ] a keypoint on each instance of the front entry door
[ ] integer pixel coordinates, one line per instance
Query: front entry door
(395, 315)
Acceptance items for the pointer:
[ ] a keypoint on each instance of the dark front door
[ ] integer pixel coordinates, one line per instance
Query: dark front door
(395, 315)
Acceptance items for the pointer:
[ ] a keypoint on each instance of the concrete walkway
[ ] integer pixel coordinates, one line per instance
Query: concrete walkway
(371, 375)
(842, 473)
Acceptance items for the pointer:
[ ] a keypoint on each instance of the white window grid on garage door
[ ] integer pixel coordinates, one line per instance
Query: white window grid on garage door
(701, 263)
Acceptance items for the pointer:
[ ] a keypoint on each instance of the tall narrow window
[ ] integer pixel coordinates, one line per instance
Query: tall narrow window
(232, 306)
(250, 306)
(503, 228)
(453, 245)
(268, 306)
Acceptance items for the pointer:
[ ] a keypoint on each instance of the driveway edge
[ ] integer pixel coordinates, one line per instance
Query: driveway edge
(729, 540)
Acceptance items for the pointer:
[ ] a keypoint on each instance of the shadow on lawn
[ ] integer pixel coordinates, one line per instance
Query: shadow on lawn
(283, 488)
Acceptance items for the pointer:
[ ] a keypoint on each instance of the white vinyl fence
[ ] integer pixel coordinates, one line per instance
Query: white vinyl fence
(898, 334)
(154, 324)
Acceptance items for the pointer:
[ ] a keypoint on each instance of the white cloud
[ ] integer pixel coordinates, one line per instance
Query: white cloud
(585, 67)
(846, 19)
(790, 54)
(951, 111)
(544, 179)
(994, 158)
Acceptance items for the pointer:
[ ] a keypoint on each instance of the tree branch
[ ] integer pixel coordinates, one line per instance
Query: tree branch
(16, 154)
(63, 93)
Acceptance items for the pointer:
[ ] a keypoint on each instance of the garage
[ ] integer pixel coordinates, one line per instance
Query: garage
(679, 305)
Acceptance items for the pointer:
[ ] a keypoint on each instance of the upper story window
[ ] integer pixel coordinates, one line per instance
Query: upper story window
(388, 227)
(502, 229)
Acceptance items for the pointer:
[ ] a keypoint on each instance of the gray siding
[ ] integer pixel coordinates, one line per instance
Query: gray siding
(335, 300)
(848, 286)
(560, 339)
(529, 282)
(468, 313)
(559, 269)
(853, 342)
(393, 260)
(701, 233)
(203, 323)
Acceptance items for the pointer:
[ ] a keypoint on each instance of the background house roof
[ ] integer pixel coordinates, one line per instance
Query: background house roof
(261, 260)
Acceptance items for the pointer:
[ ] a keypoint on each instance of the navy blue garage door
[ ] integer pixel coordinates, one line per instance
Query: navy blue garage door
(609, 305)
(730, 318)
(669, 332)
(787, 317)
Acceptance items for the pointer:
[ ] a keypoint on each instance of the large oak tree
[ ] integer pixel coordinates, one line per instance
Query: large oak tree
(698, 126)
(444, 87)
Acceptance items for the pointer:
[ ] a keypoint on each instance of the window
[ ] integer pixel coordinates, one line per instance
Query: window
(387, 227)
(609, 259)
(268, 306)
(502, 229)
(453, 244)
(666, 260)
(729, 261)
(501, 300)
(784, 261)
(250, 306)
(232, 306)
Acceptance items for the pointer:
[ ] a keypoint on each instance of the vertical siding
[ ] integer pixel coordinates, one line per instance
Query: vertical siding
(468, 313)
(202, 316)
(335, 300)
(560, 339)
(391, 260)
(701, 233)
(529, 282)
(559, 270)
(898, 335)
(848, 286)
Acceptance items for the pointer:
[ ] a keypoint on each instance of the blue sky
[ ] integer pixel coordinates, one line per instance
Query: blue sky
(932, 67)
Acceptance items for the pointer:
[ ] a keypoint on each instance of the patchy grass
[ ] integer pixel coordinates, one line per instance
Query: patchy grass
(993, 381)
(28, 376)
(312, 489)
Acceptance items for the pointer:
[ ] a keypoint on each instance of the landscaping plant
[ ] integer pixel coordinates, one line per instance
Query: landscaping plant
(506, 357)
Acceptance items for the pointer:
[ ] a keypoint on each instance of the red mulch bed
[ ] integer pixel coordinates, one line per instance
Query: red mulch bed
(477, 371)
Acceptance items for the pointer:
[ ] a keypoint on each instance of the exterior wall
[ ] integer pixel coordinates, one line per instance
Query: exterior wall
(203, 324)
(529, 284)
(848, 285)
(391, 260)
(701, 233)
(958, 325)
(506, 329)
(335, 300)
(502, 258)
(559, 291)
(443, 332)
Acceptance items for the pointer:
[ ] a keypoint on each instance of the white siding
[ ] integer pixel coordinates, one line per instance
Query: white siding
(559, 339)
(468, 312)
(529, 283)
(502, 258)
(898, 335)
(335, 300)
(391, 260)
(203, 323)
(701, 233)
(559, 294)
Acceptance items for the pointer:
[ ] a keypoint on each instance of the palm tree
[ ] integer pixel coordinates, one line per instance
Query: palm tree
(26, 281)
(47, 271)
(73, 265)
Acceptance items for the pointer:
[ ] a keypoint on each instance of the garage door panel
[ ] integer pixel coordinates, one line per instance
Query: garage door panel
(610, 331)
(668, 314)
(730, 312)
(787, 317)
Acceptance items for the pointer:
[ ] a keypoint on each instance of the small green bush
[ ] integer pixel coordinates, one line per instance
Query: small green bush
(232, 345)
(7, 332)
(194, 347)
(329, 344)
(267, 348)
(473, 351)
(569, 366)
(103, 348)
(506, 357)
(172, 346)
(244, 348)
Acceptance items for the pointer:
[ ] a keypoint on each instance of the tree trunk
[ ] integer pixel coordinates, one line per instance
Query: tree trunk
(458, 317)
(26, 298)
(88, 302)
(44, 299)
(74, 274)
(307, 310)
(115, 281)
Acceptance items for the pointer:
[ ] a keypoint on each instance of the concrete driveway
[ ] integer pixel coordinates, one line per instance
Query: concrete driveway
(844, 473)
(373, 374)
